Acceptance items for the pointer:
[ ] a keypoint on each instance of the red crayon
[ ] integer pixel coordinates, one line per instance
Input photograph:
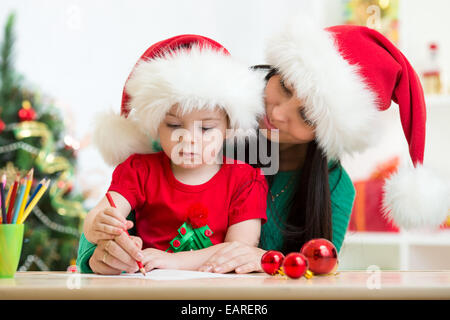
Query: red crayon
(13, 199)
(112, 204)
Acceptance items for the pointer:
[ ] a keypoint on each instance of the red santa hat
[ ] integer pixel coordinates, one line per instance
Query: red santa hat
(345, 76)
(188, 70)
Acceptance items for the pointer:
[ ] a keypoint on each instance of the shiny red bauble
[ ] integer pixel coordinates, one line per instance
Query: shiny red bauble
(295, 265)
(321, 255)
(271, 261)
(27, 114)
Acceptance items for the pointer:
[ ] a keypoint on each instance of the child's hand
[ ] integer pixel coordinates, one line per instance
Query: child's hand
(105, 225)
(158, 259)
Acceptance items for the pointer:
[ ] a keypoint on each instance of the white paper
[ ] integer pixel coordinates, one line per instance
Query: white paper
(169, 274)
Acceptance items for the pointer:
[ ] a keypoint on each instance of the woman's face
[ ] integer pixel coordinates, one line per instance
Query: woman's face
(284, 111)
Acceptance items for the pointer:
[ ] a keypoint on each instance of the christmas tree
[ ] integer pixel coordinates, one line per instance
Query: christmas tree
(32, 136)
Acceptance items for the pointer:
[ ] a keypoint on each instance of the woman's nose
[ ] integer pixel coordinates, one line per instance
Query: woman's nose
(278, 113)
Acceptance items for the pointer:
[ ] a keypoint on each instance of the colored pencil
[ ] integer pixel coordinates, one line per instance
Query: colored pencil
(35, 192)
(2, 191)
(8, 197)
(33, 202)
(19, 200)
(3, 200)
(13, 199)
(112, 204)
(27, 192)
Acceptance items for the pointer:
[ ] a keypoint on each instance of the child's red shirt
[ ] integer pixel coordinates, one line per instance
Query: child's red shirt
(237, 192)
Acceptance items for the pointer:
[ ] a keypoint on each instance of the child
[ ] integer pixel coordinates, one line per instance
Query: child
(185, 92)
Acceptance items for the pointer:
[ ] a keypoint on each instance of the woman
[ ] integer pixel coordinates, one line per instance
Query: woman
(323, 92)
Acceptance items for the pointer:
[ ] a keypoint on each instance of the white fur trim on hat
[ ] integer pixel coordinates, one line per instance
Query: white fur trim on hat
(416, 197)
(337, 100)
(118, 137)
(195, 78)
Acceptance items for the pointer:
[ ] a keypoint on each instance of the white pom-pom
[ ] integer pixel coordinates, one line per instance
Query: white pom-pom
(416, 198)
(117, 138)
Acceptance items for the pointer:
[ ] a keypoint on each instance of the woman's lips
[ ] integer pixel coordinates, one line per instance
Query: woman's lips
(268, 124)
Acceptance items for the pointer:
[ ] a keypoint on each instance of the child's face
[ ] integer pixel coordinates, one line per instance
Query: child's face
(195, 138)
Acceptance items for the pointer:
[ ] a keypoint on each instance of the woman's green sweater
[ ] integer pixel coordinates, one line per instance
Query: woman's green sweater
(342, 196)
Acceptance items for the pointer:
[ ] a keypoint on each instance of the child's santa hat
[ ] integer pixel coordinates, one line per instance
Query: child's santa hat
(191, 71)
(345, 76)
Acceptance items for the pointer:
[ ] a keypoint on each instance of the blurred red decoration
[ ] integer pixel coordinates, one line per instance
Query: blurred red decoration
(295, 265)
(72, 269)
(26, 113)
(367, 213)
(271, 261)
(321, 254)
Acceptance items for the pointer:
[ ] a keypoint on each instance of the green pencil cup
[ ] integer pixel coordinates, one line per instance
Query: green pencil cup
(11, 238)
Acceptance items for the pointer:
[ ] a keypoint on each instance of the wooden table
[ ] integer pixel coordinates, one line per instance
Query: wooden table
(345, 285)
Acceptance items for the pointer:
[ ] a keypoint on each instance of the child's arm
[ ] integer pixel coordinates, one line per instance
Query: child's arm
(246, 232)
(104, 222)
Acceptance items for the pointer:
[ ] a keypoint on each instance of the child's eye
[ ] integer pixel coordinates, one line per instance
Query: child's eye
(205, 129)
(172, 125)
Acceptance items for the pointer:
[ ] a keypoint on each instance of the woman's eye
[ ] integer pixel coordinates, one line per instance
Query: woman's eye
(205, 129)
(173, 125)
(285, 89)
(301, 111)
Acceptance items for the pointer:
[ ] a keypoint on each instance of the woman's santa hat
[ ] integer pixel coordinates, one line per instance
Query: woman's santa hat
(347, 74)
(188, 70)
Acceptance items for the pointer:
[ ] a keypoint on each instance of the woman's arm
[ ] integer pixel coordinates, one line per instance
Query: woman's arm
(245, 233)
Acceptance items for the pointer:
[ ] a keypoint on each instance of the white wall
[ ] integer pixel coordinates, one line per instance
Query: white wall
(80, 52)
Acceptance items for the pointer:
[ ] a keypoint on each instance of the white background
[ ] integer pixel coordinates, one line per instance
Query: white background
(81, 52)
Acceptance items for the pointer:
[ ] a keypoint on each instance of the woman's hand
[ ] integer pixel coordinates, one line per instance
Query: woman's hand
(234, 256)
(117, 255)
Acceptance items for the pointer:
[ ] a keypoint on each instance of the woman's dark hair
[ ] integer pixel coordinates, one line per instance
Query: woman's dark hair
(309, 213)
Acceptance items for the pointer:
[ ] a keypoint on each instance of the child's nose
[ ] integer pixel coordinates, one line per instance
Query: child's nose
(192, 135)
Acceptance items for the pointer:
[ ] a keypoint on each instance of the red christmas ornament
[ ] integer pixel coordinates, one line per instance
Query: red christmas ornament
(197, 215)
(295, 265)
(2, 126)
(72, 269)
(321, 255)
(271, 261)
(27, 113)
